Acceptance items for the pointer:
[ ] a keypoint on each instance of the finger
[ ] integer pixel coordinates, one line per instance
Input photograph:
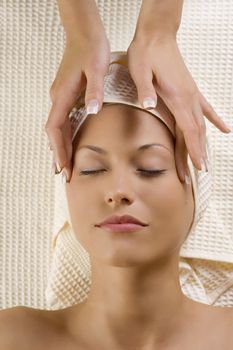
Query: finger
(57, 119)
(147, 96)
(54, 87)
(49, 146)
(200, 121)
(94, 91)
(55, 135)
(180, 154)
(67, 136)
(190, 130)
(212, 116)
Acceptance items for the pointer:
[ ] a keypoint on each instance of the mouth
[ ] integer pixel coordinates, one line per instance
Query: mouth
(124, 219)
(122, 228)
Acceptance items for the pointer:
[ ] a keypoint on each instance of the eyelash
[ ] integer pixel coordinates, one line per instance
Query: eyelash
(146, 173)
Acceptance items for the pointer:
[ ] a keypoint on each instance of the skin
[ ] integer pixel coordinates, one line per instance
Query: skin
(135, 301)
(130, 269)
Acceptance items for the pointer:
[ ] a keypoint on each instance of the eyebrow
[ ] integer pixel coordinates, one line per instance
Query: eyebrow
(141, 148)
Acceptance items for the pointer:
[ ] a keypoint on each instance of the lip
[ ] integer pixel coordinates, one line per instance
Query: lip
(120, 220)
(122, 228)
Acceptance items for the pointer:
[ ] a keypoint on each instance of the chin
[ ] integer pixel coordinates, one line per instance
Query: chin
(127, 256)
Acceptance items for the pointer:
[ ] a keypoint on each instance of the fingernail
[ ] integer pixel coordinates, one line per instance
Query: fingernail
(63, 177)
(92, 107)
(58, 166)
(203, 166)
(53, 170)
(49, 146)
(187, 179)
(148, 102)
(226, 126)
(207, 164)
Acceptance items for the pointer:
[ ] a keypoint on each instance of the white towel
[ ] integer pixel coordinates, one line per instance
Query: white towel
(32, 44)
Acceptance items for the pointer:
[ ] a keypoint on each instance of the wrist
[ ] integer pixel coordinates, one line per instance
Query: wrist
(79, 36)
(157, 31)
(154, 36)
(80, 19)
(159, 18)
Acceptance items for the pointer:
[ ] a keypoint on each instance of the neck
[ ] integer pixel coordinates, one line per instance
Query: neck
(135, 307)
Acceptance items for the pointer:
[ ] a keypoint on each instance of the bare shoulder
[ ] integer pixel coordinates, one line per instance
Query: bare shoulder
(12, 321)
(227, 330)
(222, 317)
(223, 327)
(228, 315)
(213, 326)
(27, 328)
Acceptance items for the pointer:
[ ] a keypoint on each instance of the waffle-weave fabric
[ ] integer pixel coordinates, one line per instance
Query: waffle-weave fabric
(32, 44)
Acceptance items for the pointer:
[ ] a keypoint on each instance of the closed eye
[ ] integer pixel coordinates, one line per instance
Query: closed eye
(146, 173)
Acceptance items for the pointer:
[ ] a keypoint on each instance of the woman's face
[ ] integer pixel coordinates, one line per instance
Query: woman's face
(123, 187)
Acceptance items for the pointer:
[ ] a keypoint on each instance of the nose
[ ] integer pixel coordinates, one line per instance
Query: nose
(119, 189)
(120, 192)
(116, 198)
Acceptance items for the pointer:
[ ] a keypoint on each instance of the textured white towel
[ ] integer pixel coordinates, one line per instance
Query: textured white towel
(31, 49)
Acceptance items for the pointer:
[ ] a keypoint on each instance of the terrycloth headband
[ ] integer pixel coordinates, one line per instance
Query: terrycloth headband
(70, 275)
(120, 88)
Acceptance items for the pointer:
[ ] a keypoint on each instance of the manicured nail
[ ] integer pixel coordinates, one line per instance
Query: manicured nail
(49, 146)
(203, 166)
(92, 107)
(63, 177)
(187, 179)
(226, 126)
(148, 102)
(58, 166)
(207, 164)
(53, 169)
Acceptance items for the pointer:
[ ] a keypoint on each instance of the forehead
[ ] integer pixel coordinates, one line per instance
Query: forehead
(119, 124)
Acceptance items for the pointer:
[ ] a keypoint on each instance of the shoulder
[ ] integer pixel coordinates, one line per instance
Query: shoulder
(222, 317)
(26, 328)
(214, 324)
(12, 322)
(228, 316)
(223, 327)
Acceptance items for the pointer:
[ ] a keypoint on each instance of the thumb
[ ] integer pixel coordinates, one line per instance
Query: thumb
(94, 92)
(147, 96)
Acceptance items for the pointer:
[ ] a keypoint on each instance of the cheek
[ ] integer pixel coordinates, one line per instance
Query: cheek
(163, 201)
(168, 202)
(169, 213)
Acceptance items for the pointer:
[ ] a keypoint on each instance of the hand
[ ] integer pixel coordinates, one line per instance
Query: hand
(148, 57)
(84, 65)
